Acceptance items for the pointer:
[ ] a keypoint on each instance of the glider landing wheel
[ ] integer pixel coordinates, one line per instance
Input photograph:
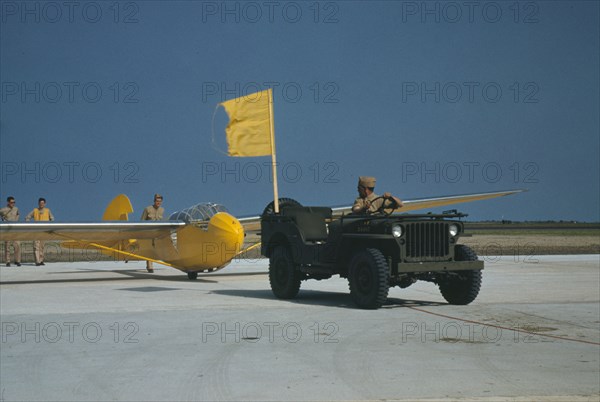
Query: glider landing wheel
(192, 275)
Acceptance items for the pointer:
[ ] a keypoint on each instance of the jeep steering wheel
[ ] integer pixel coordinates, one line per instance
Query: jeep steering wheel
(382, 208)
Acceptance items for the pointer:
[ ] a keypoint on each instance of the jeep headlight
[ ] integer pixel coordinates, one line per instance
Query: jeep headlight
(453, 230)
(397, 230)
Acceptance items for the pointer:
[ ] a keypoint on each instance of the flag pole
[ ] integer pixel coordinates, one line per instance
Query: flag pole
(273, 157)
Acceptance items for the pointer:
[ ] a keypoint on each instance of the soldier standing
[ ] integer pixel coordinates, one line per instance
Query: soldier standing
(40, 214)
(366, 202)
(10, 213)
(153, 212)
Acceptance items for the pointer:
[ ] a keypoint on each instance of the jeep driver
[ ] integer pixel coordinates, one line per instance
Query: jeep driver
(368, 202)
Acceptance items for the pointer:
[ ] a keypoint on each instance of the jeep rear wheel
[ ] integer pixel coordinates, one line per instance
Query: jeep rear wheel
(368, 278)
(283, 276)
(462, 287)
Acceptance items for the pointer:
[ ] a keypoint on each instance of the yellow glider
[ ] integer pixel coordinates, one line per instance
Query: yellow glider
(203, 238)
(192, 246)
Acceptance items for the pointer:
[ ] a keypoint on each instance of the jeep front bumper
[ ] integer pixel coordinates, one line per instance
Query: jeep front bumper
(441, 266)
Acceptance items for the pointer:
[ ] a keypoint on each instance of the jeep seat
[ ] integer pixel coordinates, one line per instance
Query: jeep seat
(310, 221)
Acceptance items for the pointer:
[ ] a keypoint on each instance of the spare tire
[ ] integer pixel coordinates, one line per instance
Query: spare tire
(283, 202)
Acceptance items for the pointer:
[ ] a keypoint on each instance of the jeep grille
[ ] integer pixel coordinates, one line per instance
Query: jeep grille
(427, 240)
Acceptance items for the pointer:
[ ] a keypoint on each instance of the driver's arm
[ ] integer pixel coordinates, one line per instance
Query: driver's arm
(396, 200)
(360, 206)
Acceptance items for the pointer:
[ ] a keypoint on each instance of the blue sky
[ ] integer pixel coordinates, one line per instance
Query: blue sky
(432, 98)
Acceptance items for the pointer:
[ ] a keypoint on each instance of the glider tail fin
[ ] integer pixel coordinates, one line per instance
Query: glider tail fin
(118, 209)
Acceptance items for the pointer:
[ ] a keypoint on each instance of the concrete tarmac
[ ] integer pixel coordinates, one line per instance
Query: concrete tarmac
(110, 331)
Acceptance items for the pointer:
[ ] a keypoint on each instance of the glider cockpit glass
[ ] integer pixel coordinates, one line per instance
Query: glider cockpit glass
(201, 212)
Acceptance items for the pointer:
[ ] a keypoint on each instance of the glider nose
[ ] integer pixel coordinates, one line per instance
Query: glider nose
(229, 229)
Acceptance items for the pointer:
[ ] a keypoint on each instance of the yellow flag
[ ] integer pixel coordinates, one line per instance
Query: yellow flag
(249, 128)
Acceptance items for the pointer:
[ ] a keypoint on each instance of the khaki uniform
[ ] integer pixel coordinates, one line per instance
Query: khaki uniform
(9, 214)
(152, 214)
(361, 203)
(39, 215)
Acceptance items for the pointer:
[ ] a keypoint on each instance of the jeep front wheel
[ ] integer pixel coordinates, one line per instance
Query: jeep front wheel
(283, 276)
(463, 286)
(368, 278)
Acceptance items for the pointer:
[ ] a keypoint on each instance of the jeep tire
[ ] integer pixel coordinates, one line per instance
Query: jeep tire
(283, 202)
(463, 287)
(368, 277)
(283, 276)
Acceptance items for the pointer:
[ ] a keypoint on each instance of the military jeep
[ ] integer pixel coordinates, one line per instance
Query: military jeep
(373, 252)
